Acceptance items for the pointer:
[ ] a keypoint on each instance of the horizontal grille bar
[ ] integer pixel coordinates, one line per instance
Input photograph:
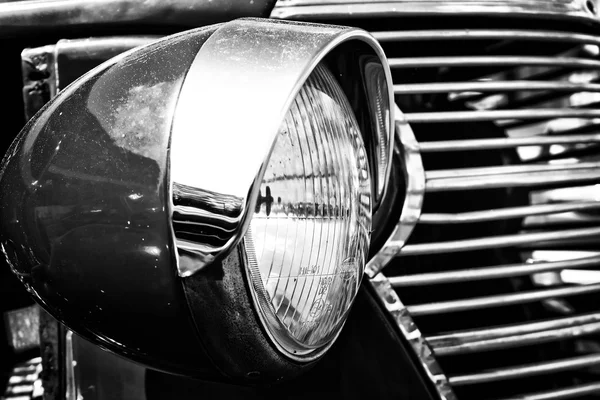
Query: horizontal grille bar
(475, 335)
(506, 213)
(507, 169)
(492, 115)
(494, 86)
(523, 371)
(480, 61)
(510, 176)
(501, 271)
(505, 143)
(561, 394)
(483, 34)
(497, 241)
(516, 335)
(499, 300)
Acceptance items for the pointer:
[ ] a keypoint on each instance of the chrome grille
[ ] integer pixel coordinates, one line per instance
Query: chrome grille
(498, 275)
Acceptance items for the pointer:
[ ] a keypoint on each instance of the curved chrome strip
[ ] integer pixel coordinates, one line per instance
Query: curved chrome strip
(242, 82)
(409, 330)
(414, 174)
(332, 9)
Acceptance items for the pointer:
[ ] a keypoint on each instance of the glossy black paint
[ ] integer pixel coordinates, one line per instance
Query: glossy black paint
(83, 208)
(370, 360)
(225, 316)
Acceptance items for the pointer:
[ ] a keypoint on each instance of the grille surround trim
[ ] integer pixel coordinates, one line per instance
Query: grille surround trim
(334, 9)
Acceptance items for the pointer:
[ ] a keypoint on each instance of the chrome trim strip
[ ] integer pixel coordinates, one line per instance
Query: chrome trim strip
(505, 143)
(509, 176)
(499, 61)
(516, 341)
(411, 333)
(483, 34)
(498, 241)
(559, 394)
(256, 68)
(500, 300)
(71, 392)
(495, 272)
(508, 170)
(521, 371)
(506, 213)
(333, 9)
(496, 86)
(414, 174)
(492, 115)
(498, 332)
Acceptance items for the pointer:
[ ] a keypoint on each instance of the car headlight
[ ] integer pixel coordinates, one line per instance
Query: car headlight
(203, 204)
(309, 235)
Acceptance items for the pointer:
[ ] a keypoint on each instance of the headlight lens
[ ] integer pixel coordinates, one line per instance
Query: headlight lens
(309, 235)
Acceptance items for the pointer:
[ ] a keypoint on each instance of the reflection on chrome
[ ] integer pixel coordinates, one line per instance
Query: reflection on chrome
(212, 205)
(313, 9)
(409, 330)
(408, 150)
(310, 230)
(202, 222)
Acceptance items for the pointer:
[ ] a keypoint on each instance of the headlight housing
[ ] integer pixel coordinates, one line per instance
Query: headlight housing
(135, 205)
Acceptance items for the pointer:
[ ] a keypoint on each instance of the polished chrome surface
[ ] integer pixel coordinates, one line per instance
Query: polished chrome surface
(519, 335)
(256, 68)
(560, 394)
(493, 115)
(510, 176)
(499, 241)
(316, 9)
(485, 34)
(522, 371)
(506, 213)
(414, 175)
(492, 272)
(71, 392)
(512, 86)
(520, 329)
(523, 283)
(409, 330)
(505, 143)
(487, 61)
(499, 300)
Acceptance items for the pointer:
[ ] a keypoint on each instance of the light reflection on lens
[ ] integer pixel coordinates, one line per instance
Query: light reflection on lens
(309, 235)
